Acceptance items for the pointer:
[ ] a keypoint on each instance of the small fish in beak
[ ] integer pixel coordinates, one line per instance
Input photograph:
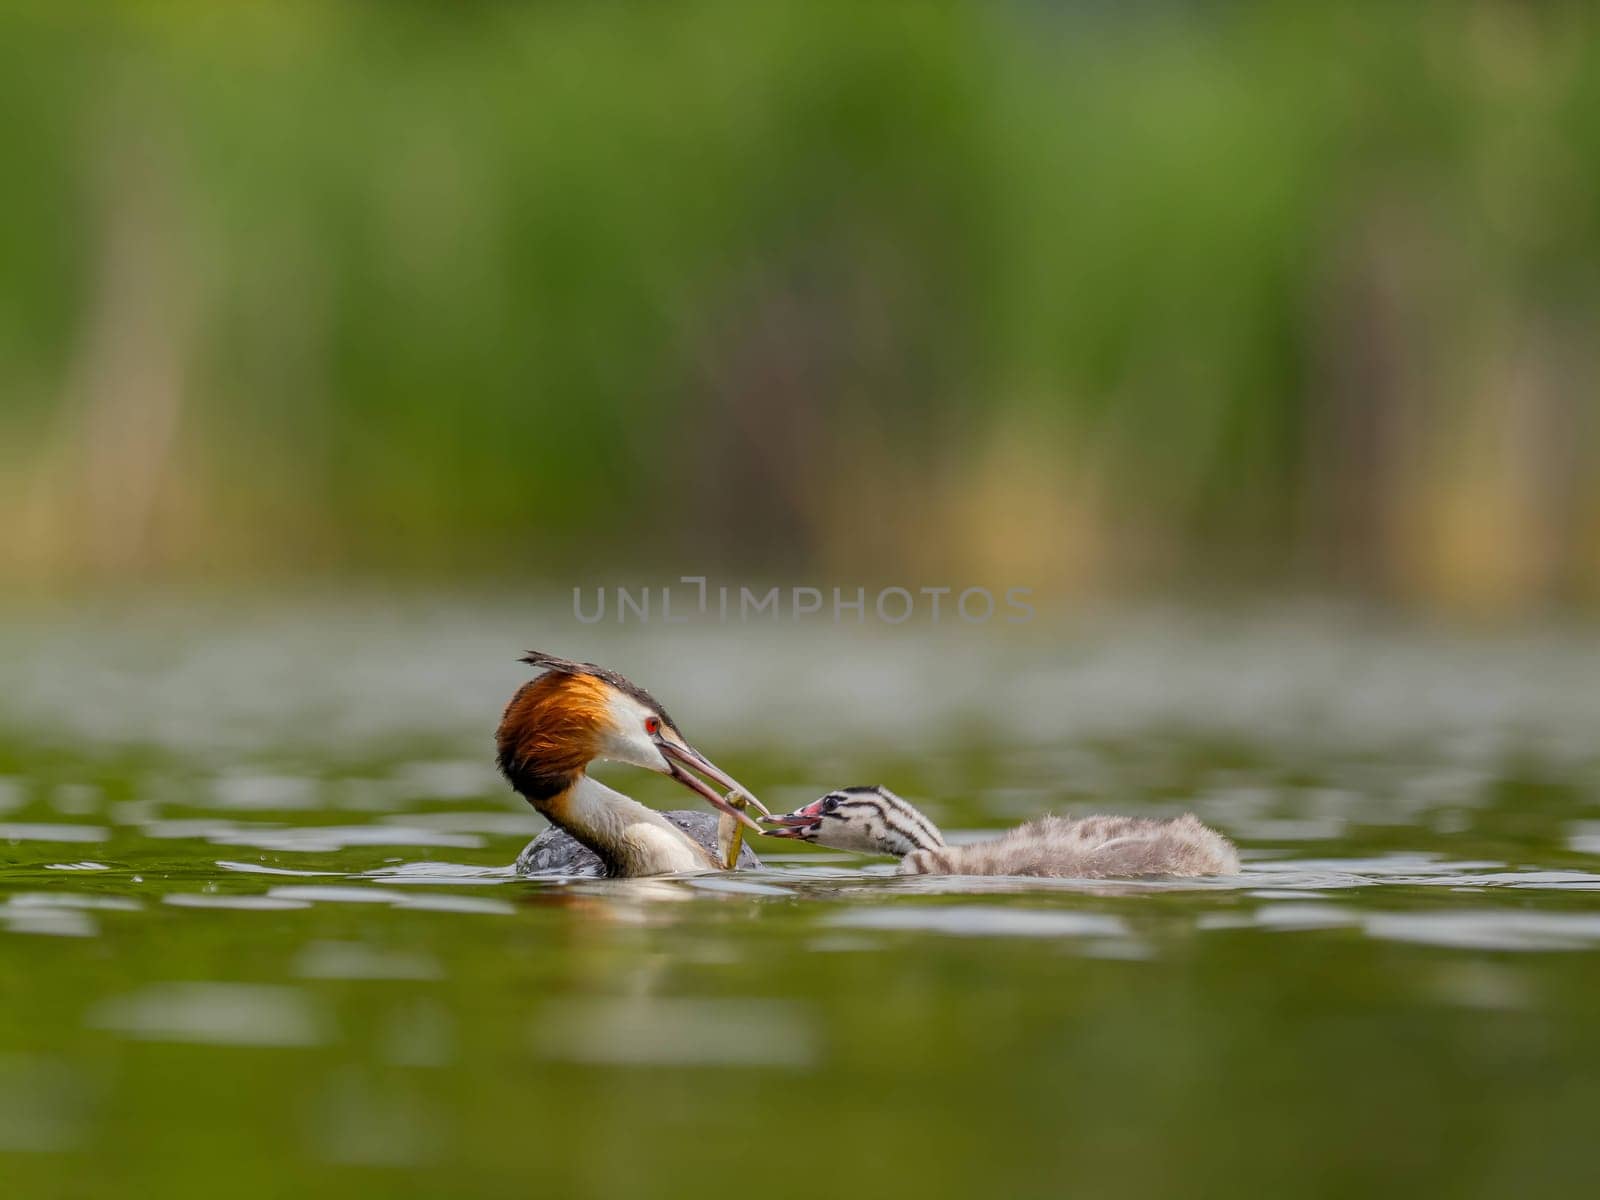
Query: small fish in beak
(680, 756)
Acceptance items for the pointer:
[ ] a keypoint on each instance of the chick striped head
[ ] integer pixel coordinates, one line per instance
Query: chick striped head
(866, 820)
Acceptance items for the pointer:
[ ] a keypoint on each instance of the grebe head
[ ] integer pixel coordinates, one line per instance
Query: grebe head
(867, 820)
(577, 712)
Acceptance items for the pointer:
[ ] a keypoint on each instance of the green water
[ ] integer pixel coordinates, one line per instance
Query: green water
(258, 936)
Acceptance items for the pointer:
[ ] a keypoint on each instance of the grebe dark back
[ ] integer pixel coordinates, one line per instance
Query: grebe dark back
(557, 852)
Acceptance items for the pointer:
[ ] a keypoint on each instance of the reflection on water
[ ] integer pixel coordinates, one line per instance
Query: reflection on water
(250, 934)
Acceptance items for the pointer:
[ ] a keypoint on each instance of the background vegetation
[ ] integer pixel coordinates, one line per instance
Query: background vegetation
(1096, 298)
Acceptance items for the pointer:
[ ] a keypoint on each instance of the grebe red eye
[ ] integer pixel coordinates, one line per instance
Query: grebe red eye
(652, 725)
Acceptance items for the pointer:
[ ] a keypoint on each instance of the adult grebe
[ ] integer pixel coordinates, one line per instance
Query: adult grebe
(574, 713)
(873, 820)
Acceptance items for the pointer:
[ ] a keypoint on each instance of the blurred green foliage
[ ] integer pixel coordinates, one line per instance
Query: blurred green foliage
(1096, 296)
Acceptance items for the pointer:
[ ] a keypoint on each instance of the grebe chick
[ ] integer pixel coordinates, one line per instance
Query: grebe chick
(574, 713)
(873, 820)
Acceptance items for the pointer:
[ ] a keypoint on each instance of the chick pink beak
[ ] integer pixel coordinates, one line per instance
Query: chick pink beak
(792, 825)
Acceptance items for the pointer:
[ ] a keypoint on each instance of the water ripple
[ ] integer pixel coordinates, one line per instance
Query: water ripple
(232, 1014)
(977, 920)
(669, 1031)
(39, 832)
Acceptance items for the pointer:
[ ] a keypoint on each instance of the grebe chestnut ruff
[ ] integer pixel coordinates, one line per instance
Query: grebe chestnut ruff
(574, 713)
(873, 820)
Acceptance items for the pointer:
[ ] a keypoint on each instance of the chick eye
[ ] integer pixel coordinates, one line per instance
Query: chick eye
(652, 725)
(829, 804)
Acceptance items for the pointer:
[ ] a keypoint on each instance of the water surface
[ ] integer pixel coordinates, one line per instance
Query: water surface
(259, 933)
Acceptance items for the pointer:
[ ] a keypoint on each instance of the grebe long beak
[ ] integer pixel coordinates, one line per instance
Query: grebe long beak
(679, 756)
